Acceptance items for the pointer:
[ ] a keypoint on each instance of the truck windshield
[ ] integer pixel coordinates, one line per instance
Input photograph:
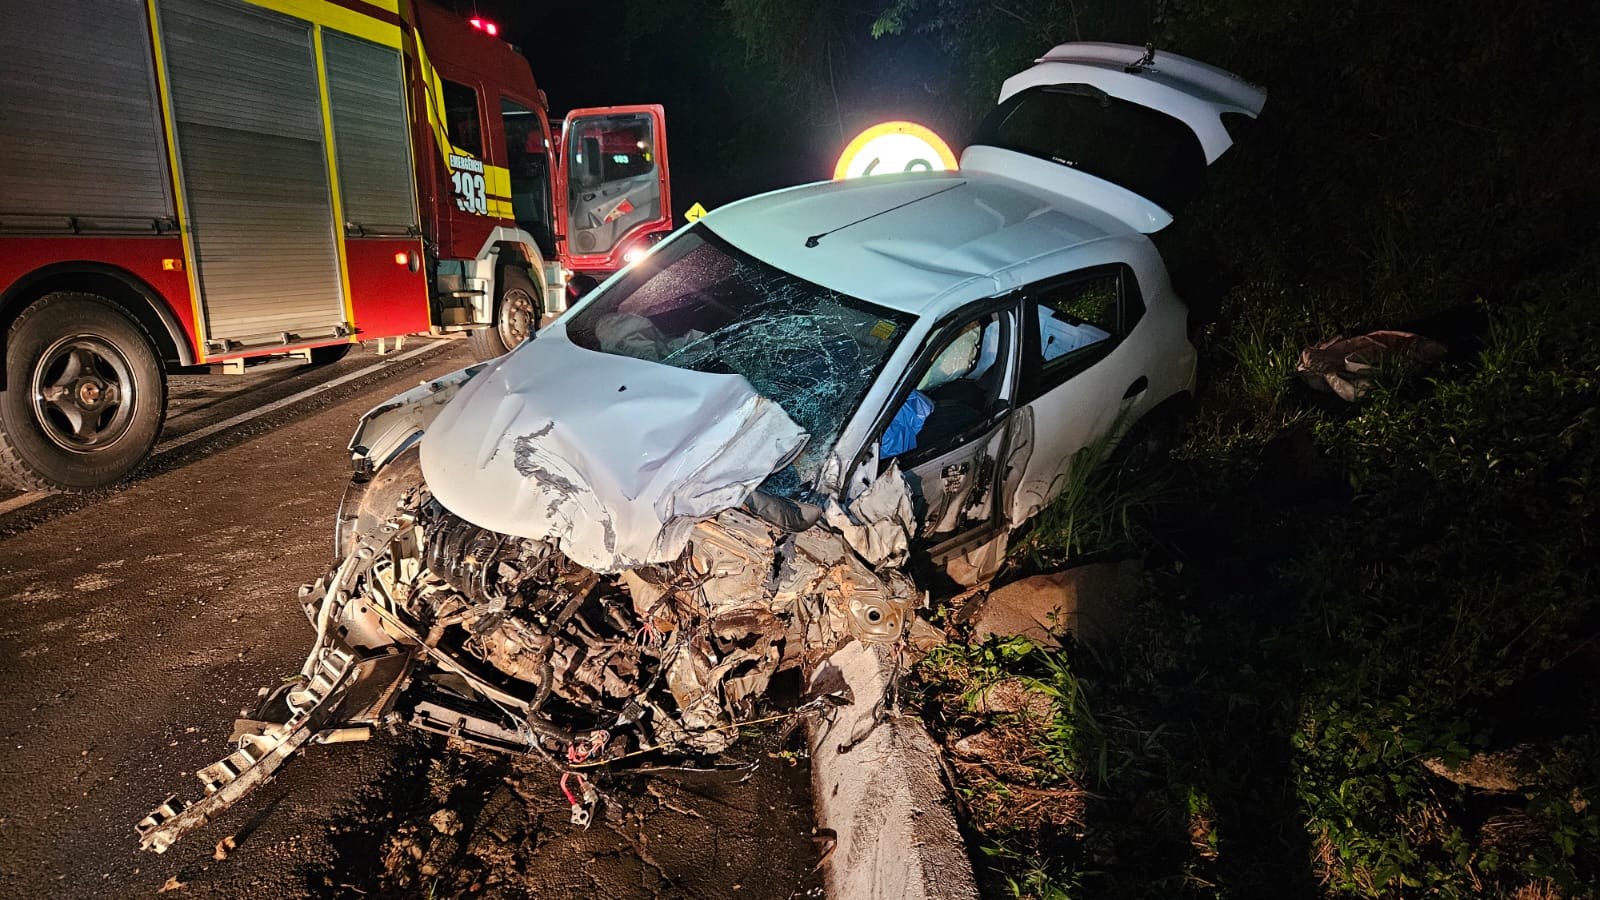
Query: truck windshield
(699, 303)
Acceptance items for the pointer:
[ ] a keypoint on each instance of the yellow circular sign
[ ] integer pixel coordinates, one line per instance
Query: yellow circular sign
(894, 147)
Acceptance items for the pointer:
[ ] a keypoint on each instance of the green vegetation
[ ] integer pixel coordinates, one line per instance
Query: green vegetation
(1333, 597)
(1100, 509)
(1341, 602)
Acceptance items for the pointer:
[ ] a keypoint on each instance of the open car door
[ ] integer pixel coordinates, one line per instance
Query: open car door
(615, 194)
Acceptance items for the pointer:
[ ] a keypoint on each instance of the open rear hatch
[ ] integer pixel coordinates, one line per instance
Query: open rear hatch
(1146, 121)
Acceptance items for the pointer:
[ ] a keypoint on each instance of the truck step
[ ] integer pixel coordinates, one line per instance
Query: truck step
(260, 364)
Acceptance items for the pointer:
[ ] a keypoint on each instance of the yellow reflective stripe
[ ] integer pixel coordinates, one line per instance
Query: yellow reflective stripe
(392, 6)
(171, 129)
(434, 92)
(405, 93)
(497, 181)
(339, 18)
(333, 181)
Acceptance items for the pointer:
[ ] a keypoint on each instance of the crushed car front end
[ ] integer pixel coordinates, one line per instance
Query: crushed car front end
(589, 555)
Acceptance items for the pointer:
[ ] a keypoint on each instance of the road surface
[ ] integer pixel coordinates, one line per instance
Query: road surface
(137, 623)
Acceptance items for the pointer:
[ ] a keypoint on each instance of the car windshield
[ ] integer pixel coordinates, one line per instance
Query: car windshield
(699, 303)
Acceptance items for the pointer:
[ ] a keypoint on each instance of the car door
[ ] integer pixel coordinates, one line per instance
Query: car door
(949, 428)
(1082, 372)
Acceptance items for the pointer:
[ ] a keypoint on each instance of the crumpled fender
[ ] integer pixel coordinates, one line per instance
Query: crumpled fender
(386, 432)
(390, 427)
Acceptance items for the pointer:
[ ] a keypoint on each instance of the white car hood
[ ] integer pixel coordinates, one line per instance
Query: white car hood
(612, 458)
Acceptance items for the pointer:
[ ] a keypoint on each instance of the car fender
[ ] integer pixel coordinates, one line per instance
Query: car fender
(390, 427)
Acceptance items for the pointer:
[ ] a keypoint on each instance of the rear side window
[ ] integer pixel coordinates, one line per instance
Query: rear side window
(1148, 152)
(461, 117)
(1074, 322)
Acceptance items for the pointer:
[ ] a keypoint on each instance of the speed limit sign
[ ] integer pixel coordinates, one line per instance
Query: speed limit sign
(893, 147)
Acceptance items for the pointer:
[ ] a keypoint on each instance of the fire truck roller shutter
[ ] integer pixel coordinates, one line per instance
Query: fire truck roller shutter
(79, 132)
(366, 94)
(246, 99)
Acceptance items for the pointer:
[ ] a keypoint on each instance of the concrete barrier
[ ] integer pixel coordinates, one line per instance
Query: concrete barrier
(878, 788)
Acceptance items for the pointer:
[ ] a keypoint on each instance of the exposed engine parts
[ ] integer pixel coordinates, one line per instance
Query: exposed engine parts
(505, 642)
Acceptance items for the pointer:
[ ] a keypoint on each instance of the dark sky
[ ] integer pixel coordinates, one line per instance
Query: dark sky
(723, 144)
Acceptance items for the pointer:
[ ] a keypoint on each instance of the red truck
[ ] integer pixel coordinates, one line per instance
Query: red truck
(190, 182)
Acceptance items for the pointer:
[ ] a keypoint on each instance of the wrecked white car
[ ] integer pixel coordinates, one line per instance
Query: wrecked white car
(763, 440)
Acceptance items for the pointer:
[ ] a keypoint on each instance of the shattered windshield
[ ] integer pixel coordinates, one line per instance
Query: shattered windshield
(699, 303)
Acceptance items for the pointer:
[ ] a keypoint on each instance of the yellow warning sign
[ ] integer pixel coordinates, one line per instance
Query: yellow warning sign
(894, 147)
(694, 213)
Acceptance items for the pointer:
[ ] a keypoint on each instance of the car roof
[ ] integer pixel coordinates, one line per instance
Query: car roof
(921, 243)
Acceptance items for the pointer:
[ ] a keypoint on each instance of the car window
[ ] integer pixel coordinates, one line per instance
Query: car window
(959, 388)
(1075, 321)
(700, 303)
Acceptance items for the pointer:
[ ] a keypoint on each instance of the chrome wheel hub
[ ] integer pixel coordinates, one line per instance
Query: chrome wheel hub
(82, 393)
(517, 317)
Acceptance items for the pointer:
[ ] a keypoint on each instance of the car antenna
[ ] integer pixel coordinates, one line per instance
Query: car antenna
(816, 239)
(1148, 60)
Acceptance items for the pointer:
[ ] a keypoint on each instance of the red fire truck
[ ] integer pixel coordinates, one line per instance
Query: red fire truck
(188, 182)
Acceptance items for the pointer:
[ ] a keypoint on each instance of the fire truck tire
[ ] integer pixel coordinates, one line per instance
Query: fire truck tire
(85, 395)
(516, 316)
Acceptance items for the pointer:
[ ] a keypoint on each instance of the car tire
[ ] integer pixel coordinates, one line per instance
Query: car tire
(322, 356)
(1149, 443)
(517, 312)
(85, 395)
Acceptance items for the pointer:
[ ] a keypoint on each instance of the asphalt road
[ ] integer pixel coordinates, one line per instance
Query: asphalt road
(138, 621)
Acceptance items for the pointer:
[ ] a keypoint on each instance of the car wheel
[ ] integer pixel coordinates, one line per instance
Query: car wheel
(1150, 442)
(516, 316)
(85, 395)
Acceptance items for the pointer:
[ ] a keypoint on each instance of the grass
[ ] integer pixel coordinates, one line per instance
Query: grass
(1414, 579)
(1098, 509)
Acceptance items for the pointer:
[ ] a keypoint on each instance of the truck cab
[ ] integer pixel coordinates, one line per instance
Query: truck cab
(516, 214)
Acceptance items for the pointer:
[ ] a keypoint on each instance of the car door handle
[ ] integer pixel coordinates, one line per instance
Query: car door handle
(1137, 388)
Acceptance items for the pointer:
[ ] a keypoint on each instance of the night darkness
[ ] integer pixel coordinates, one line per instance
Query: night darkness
(731, 132)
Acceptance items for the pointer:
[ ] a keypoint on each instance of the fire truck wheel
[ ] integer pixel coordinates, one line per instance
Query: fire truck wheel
(85, 396)
(516, 316)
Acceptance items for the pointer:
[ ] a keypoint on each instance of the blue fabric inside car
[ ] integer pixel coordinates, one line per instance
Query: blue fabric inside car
(901, 435)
